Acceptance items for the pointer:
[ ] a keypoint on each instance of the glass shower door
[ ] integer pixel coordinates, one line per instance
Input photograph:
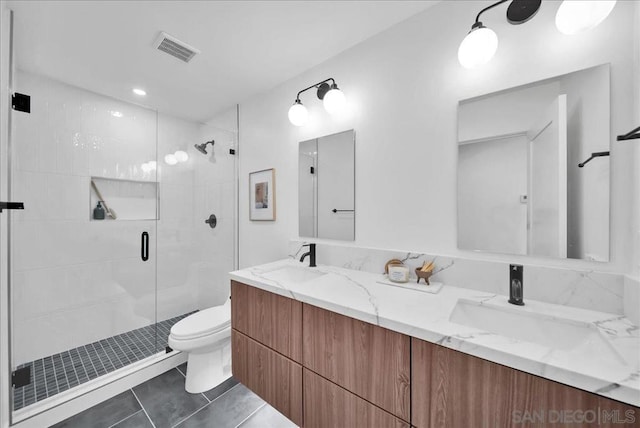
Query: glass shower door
(83, 251)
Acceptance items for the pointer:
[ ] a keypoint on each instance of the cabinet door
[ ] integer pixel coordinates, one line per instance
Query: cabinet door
(276, 379)
(273, 320)
(328, 405)
(370, 361)
(453, 389)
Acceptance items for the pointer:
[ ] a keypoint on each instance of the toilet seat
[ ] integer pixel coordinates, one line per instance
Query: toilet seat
(203, 323)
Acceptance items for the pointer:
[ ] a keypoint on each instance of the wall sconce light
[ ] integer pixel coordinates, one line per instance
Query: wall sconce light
(481, 43)
(577, 16)
(333, 99)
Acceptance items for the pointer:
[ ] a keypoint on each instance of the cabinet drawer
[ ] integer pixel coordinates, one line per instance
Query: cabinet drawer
(276, 379)
(328, 405)
(273, 320)
(453, 389)
(370, 361)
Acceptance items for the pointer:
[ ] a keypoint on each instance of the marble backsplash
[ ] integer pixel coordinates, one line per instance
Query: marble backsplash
(587, 289)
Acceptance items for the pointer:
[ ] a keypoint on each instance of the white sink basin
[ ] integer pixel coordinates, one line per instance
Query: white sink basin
(293, 274)
(552, 332)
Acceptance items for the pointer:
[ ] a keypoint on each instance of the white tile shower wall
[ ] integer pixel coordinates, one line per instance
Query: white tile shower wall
(193, 259)
(403, 86)
(578, 288)
(76, 281)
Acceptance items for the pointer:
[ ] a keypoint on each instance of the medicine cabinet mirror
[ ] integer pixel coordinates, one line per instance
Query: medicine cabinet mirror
(533, 168)
(326, 187)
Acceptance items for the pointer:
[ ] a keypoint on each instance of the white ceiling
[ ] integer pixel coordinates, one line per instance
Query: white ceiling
(247, 47)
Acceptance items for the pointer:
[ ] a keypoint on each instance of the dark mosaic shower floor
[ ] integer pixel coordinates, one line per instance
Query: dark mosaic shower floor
(60, 372)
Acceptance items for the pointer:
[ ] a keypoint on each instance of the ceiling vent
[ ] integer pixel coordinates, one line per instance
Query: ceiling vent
(175, 48)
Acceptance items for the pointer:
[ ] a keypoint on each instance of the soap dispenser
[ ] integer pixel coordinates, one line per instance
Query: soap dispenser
(98, 212)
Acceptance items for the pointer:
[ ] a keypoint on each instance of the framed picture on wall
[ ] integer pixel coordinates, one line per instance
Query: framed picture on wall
(262, 195)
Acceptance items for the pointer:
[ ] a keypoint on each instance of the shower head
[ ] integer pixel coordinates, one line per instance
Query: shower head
(202, 148)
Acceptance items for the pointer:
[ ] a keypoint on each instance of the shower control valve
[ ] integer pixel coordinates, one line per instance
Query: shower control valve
(212, 221)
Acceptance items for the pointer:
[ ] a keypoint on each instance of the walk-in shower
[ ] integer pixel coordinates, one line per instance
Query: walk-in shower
(91, 294)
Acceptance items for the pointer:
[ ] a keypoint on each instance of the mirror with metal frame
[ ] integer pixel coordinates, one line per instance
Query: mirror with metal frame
(533, 168)
(326, 187)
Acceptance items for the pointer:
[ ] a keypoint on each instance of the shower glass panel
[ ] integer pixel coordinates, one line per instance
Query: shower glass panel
(83, 280)
(193, 257)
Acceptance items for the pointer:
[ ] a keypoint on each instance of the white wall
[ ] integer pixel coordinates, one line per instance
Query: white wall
(307, 188)
(336, 186)
(507, 112)
(588, 110)
(490, 215)
(403, 86)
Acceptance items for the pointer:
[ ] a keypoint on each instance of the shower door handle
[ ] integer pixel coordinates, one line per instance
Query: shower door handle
(144, 247)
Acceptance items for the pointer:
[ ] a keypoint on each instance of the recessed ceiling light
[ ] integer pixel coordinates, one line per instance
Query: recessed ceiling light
(139, 91)
(116, 113)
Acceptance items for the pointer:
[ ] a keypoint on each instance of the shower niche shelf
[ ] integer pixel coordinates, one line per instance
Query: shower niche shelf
(127, 199)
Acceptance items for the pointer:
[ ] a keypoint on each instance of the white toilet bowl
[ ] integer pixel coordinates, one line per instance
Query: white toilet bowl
(205, 336)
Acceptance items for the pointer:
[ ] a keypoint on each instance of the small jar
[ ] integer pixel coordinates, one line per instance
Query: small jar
(398, 273)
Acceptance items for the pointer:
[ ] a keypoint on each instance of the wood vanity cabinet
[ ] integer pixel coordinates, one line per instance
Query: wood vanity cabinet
(370, 361)
(271, 319)
(327, 405)
(322, 370)
(266, 346)
(454, 389)
(356, 374)
(275, 378)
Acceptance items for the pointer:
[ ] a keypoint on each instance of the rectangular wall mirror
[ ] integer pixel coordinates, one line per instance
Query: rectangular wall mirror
(533, 168)
(326, 187)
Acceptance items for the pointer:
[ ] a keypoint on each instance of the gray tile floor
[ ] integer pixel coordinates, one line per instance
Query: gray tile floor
(162, 402)
(57, 373)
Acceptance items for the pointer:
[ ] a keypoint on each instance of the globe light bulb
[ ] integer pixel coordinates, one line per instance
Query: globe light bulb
(181, 156)
(478, 47)
(298, 114)
(146, 168)
(576, 16)
(170, 159)
(334, 101)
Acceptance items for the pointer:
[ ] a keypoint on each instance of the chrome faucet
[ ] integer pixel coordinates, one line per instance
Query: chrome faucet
(311, 253)
(515, 285)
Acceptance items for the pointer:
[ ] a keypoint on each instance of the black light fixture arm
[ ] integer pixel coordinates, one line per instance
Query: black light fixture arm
(631, 135)
(593, 156)
(489, 7)
(317, 85)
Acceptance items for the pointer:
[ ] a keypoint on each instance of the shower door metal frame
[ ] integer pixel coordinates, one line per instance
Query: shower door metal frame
(6, 86)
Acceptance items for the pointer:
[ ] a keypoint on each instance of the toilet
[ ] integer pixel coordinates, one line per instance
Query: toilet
(205, 335)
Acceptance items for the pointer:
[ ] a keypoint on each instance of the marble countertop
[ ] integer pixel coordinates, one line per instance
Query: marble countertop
(614, 373)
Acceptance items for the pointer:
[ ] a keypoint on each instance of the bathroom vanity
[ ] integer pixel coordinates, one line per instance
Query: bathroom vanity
(332, 347)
